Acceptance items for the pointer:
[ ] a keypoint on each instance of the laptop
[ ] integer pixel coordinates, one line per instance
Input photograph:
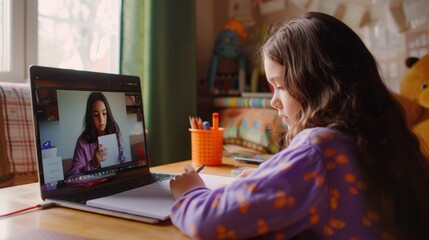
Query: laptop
(122, 185)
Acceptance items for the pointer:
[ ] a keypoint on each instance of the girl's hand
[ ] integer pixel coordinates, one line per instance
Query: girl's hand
(185, 182)
(100, 155)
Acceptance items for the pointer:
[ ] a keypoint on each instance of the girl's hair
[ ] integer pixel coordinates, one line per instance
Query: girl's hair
(90, 131)
(335, 78)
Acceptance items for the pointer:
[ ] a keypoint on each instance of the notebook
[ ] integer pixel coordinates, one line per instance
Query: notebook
(69, 175)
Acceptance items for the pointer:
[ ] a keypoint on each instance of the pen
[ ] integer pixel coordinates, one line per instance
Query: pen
(200, 168)
(215, 119)
(206, 125)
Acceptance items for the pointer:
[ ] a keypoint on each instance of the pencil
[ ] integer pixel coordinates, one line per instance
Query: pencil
(200, 123)
(191, 123)
(201, 168)
(195, 122)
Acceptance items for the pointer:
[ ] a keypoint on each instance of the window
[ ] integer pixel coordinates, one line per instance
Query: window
(12, 66)
(4, 41)
(77, 34)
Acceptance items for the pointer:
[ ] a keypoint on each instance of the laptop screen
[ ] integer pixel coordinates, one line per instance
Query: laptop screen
(89, 127)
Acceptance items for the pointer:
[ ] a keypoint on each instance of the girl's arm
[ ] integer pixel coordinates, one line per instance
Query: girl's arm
(79, 162)
(275, 196)
(82, 157)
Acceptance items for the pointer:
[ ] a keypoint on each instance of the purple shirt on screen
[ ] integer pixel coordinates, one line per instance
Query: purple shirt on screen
(82, 157)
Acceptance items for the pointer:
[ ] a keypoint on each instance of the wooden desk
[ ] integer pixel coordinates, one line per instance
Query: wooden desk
(83, 224)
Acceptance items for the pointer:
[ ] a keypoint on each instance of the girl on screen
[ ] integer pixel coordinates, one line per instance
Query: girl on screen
(98, 121)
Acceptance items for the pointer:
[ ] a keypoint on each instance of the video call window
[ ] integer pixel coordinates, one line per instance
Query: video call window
(61, 122)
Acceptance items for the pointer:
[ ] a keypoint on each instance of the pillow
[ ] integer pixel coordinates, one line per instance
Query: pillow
(254, 128)
(6, 173)
(17, 158)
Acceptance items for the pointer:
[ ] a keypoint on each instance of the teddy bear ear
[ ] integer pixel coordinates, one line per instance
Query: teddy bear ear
(409, 62)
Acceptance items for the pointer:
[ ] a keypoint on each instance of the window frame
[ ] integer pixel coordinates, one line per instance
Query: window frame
(31, 30)
(17, 40)
(23, 40)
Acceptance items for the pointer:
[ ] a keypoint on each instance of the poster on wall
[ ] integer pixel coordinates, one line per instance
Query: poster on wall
(241, 10)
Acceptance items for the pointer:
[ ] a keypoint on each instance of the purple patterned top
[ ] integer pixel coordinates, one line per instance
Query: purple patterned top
(314, 188)
(82, 157)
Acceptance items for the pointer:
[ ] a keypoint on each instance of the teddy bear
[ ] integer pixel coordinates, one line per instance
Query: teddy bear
(414, 96)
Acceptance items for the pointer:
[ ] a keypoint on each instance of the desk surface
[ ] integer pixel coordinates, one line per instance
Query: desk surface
(50, 223)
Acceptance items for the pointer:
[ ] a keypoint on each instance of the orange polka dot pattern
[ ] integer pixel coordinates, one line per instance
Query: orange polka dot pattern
(313, 189)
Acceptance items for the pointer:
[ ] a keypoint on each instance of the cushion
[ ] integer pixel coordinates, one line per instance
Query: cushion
(17, 154)
(259, 129)
(6, 173)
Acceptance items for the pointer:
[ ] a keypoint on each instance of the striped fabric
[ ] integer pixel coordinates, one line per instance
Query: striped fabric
(242, 102)
(259, 129)
(17, 152)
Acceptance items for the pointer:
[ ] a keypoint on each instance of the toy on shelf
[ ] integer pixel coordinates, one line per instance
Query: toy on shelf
(237, 27)
(226, 73)
(415, 98)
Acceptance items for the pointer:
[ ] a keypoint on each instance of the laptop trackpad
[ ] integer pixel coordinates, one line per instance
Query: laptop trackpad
(143, 201)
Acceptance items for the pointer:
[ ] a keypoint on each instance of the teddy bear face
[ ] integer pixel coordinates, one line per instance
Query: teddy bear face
(415, 84)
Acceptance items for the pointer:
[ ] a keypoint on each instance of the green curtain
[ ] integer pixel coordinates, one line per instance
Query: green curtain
(158, 43)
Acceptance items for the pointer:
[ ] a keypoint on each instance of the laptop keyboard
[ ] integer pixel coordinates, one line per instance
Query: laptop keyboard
(115, 187)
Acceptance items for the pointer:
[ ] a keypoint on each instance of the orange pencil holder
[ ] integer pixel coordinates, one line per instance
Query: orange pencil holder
(207, 146)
